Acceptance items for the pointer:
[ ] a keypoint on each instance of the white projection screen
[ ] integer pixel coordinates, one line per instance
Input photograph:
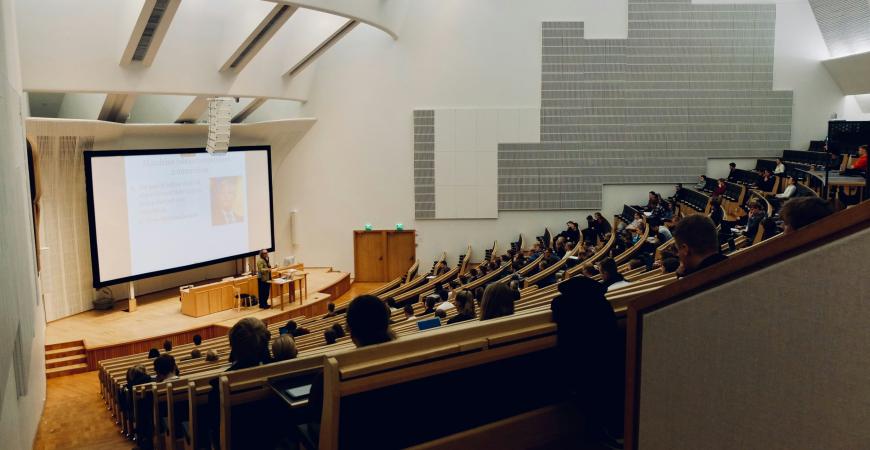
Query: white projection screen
(154, 212)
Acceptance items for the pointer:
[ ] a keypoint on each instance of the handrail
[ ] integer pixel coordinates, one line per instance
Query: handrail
(829, 229)
(464, 266)
(629, 252)
(552, 269)
(594, 258)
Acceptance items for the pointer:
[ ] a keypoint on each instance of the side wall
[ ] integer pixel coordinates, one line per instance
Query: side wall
(763, 362)
(22, 325)
(356, 165)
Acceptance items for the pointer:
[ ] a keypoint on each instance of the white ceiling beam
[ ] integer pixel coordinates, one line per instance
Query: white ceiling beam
(117, 107)
(194, 110)
(322, 48)
(248, 110)
(258, 38)
(149, 31)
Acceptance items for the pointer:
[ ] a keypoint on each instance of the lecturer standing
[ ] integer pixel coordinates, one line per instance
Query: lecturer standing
(264, 275)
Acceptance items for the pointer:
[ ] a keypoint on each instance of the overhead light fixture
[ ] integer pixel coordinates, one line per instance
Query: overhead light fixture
(218, 124)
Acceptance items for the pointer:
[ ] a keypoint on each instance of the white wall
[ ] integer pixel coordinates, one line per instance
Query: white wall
(459, 54)
(19, 301)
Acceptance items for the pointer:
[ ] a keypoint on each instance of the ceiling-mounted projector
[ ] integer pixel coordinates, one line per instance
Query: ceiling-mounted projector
(218, 124)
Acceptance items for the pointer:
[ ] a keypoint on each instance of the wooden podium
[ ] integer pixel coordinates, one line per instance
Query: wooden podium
(215, 297)
(382, 255)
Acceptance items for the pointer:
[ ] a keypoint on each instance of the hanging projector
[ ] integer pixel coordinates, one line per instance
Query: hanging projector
(218, 124)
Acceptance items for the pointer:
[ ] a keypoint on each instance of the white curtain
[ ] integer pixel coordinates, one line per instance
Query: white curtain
(63, 226)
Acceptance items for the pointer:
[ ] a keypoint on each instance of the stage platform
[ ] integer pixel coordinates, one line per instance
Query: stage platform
(108, 334)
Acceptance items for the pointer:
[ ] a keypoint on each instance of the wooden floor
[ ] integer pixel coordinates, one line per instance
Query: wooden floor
(75, 416)
(160, 313)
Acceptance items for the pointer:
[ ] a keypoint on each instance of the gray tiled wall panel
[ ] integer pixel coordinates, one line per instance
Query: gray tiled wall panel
(690, 82)
(845, 25)
(424, 164)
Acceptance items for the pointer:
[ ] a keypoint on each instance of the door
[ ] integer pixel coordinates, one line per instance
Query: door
(401, 252)
(369, 256)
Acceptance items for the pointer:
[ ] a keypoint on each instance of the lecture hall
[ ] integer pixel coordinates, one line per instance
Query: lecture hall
(434, 224)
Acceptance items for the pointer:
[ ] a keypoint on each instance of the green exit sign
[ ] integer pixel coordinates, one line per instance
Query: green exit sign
(400, 227)
(368, 227)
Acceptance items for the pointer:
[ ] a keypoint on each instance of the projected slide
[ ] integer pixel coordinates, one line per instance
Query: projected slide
(154, 212)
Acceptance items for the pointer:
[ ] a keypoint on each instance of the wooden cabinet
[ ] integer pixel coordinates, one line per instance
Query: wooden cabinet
(382, 255)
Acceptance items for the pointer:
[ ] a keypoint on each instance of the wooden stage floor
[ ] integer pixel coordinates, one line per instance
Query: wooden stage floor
(159, 313)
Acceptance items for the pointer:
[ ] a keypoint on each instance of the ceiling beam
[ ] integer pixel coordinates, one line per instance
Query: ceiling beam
(258, 38)
(322, 48)
(194, 110)
(149, 31)
(248, 110)
(117, 107)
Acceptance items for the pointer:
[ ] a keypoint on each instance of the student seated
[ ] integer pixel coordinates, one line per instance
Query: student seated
(498, 301)
(602, 226)
(716, 214)
(165, 368)
(368, 321)
(284, 348)
(610, 276)
(167, 346)
(636, 223)
(409, 313)
(465, 307)
(800, 212)
(338, 330)
(780, 167)
(430, 305)
(589, 337)
(294, 330)
(211, 356)
(790, 188)
(756, 215)
(249, 344)
(197, 340)
(330, 308)
(670, 265)
(153, 353)
(195, 354)
(329, 336)
(697, 244)
(767, 181)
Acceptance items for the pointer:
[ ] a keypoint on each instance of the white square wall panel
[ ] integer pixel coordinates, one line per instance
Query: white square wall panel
(487, 130)
(444, 168)
(466, 129)
(487, 168)
(445, 205)
(445, 130)
(465, 169)
(508, 125)
(487, 202)
(466, 202)
(529, 125)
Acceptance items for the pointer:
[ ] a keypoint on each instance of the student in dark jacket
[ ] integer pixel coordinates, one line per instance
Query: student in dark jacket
(602, 226)
(588, 336)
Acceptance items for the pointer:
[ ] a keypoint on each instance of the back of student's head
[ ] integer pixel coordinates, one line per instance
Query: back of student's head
(391, 302)
(465, 302)
(698, 233)
(440, 313)
(137, 375)
(670, 265)
(211, 356)
(802, 211)
(608, 268)
(195, 353)
(284, 348)
(329, 336)
(368, 321)
(409, 310)
(338, 330)
(291, 326)
(430, 302)
(153, 353)
(164, 365)
(635, 263)
(167, 345)
(197, 339)
(498, 301)
(249, 342)
(330, 307)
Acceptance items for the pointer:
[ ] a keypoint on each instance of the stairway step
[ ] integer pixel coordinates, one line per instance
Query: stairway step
(77, 350)
(66, 370)
(60, 345)
(65, 361)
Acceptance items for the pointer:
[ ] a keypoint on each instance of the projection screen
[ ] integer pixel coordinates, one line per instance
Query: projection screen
(154, 212)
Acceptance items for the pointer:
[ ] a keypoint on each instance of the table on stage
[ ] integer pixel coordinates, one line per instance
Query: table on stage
(218, 296)
(296, 278)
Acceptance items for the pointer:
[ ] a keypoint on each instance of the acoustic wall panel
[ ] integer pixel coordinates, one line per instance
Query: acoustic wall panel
(689, 83)
(845, 25)
(424, 164)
